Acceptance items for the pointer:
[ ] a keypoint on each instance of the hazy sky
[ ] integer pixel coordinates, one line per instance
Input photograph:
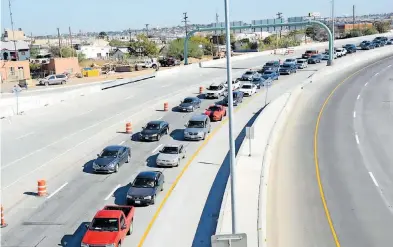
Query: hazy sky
(44, 16)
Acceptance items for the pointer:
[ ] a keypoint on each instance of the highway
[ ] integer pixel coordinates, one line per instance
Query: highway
(354, 164)
(59, 142)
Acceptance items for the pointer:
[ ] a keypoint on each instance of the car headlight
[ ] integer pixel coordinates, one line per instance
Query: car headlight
(84, 245)
(94, 164)
(200, 133)
(129, 196)
(111, 164)
(147, 197)
(154, 135)
(110, 245)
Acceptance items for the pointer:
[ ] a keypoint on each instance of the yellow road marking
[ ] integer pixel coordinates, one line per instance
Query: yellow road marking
(321, 191)
(168, 194)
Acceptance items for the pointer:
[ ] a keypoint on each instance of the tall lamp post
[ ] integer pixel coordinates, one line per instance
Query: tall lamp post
(232, 156)
(333, 34)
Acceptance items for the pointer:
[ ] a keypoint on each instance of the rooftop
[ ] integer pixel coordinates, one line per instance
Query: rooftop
(9, 45)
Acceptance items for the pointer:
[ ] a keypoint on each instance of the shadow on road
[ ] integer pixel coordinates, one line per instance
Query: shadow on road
(75, 239)
(208, 222)
(121, 194)
(177, 134)
(151, 161)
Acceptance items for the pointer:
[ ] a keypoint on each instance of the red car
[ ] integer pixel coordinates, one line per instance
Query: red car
(216, 112)
(109, 226)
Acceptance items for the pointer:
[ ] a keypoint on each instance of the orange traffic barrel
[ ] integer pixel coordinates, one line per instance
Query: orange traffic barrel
(200, 90)
(166, 106)
(3, 224)
(128, 128)
(42, 188)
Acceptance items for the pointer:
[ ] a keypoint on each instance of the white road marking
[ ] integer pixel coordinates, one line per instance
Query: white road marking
(357, 138)
(373, 178)
(83, 113)
(359, 96)
(54, 192)
(167, 85)
(25, 135)
(113, 192)
(159, 118)
(354, 114)
(389, 66)
(366, 84)
(376, 74)
(121, 143)
(129, 97)
(155, 150)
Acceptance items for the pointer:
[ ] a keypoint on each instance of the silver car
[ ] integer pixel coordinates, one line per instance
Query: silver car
(249, 75)
(54, 79)
(197, 128)
(171, 155)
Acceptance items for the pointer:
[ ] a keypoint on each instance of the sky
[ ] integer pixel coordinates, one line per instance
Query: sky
(43, 17)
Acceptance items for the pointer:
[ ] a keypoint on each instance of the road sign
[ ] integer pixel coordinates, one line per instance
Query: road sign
(314, 14)
(296, 19)
(250, 132)
(229, 240)
(232, 24)
(16, 90)
(266, 22)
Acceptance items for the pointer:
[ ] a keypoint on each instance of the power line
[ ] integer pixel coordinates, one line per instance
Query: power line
(185, 20)
(13, 32)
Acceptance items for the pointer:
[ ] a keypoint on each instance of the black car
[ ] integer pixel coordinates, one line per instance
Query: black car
(367, 45)
(288, 68)
(154, 130)
(389, 42)
(166, 62)
(379, 43)
(271, 66)
(111, 158)
(351, 48)
(237, 98)
(314, 59)
(145, 187)
(190, 104)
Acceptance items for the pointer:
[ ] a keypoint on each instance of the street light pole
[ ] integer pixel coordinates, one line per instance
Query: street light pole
(232, 156)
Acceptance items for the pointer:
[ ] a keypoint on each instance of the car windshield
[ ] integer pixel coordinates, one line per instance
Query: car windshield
(214, 108)
(300, 61)
(286, 65)
(214, 88)
(152, 126)
(249, 73)
(308, 52)
(170, 150)
(269, 64)
(187, 100)
(268, 72)
(143, 183)
(246, 86)
(314, 56)
(290, 60)
(196, 124)
(105, 224)
(108, 153)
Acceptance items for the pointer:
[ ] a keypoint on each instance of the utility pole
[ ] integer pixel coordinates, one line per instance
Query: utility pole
(353, 17)
(279, 16)
(147, 30)
(58, 35)
(185, 20)
(129, 33)
(72, 47)
(218, 45)
(13, 32)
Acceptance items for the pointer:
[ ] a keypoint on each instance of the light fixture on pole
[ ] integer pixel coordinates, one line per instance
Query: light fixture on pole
(232, 156)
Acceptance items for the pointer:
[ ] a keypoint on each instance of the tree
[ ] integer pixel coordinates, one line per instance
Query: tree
(311, 31)
(119, 43)
(382, 26)
(143, 46)
(102, 35)
(370, 31)
(34, 52)
(205, 42)
(176, 49)
(65, 51)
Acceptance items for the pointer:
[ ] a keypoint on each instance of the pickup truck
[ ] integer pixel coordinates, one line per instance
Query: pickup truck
(109, 227)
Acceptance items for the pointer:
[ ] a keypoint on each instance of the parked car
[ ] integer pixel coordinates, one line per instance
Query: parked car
(302, 63)
(171, 155)
(216, 112)
(109, 227)
(288, 68)
(248, 89)
(237, 98)
(145, 187)
(248, 75)
(197, 128)
(154, 130)
(149, 64)
(190, 104)
(215, 91)
(111, 158)
(53, 79)
(168, 61)
(315, 59)
(274, 75)
(351, 48)
(309, 53)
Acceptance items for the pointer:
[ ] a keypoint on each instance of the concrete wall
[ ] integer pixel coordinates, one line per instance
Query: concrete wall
(21, 70)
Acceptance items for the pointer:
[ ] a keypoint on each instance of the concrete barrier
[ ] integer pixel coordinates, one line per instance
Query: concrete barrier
(121, 82)
(268, 129)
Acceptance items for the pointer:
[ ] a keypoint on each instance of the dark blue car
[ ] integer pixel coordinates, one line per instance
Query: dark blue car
(288, 68)
(274, 75)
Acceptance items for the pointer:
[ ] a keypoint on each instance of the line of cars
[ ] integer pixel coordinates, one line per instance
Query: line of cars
(111, 224)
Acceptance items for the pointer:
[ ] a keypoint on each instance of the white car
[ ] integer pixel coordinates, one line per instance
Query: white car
(235, 85)
(341, 52)
(215, 91)
(248, 89)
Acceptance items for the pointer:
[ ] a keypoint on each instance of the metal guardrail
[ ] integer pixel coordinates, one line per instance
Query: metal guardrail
(121, 82)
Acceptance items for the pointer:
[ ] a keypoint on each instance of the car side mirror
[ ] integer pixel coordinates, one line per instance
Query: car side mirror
(86, 226)
(98, 155)
(143, 127)
(185, 125)
(181, 101)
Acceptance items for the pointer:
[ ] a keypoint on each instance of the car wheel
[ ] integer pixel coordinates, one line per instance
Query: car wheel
(159, 137)
(154, 66)
(221, 118)
(225, 114)
(167, 131)
(63, 82)
(46, 83)
(131, 228)
(178, 163)
(204, 136)
(119, 245)
(193, 109)
(117, 168)
(153, 200)
(128, 159)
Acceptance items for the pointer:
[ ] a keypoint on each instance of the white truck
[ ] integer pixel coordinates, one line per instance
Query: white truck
(153, 64)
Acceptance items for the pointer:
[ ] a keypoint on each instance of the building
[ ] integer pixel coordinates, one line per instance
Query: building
(14, 70)
(119, 54)
(67, 65)
(347, 27)
(8, 50)
(99, 49)
(10, 35)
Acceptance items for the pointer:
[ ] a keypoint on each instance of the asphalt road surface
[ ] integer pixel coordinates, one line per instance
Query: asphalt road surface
(58, 144)
(355, 140)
